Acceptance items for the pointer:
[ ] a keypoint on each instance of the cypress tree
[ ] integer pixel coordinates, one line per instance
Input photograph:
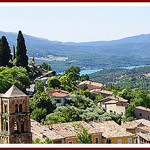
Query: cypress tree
(21, 56)
(14, 53)
(5, 55)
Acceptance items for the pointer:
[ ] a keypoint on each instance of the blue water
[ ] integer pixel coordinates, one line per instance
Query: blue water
(89, 71)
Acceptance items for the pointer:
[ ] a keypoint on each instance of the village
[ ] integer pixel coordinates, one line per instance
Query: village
(39, 106)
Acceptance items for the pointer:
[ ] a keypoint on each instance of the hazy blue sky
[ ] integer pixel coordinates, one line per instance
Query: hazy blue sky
(78, 23)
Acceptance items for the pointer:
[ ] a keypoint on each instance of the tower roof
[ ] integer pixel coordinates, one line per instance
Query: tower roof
(14, 92)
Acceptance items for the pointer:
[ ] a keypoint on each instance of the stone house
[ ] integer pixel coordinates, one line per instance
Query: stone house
(142, 113)
(114, 104)
(60, 96)
(116, 133)
(15, 117)
(141, 130)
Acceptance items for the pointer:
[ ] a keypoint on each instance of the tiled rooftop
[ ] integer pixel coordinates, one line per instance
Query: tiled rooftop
(142, 108)
(131, 124)
(58, 93)
(58, 131)
(91, 85)
(116, 98)
(98, 91)
(111, 129)
(144, 136)
(42, 131)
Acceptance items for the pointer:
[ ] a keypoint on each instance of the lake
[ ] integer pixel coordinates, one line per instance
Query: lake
(93, 71)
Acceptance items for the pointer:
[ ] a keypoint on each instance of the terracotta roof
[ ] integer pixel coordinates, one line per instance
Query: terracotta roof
(58, 93)
(131, 124)
(111, 102)
(116, 98)
(91, 85)
(111, 129)
(67, 129)
(14, 92)
(144, 136)
(58, 131)
(42, 131)
(144, 129)
(142, 108)
(98, 91)
(144, 122)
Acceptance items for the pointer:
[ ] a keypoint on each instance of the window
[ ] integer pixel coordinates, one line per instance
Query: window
(70, 142)
(20, 108)
(111, 111)
(58, 100)
(129, 141)
(140, 114)
(5, 108)
(119, 141)
(114, 112)
(16, 108)
(22, 126)
(6, 126)
(96, 140)
(15, 126)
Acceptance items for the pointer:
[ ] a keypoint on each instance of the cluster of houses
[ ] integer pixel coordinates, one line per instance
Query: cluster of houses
(137, 131)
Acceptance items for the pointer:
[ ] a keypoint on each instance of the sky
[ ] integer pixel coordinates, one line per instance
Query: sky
(76, 23)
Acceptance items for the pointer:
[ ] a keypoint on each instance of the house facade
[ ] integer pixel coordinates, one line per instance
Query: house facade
(111, 130)
(114, 104)
(142, 113)
(141, 130)
(60, 96)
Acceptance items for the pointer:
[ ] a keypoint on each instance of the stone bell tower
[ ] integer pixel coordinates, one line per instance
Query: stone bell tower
(15, 126)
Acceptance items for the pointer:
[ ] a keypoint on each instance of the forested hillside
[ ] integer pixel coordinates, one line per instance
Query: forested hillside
(134, 78)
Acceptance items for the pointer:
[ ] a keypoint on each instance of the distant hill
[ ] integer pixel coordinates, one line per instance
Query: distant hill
(138, 78)
(128, 51)
(143, 38)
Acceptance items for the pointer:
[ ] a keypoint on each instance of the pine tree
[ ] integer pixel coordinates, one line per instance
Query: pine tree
(21, 56)
(5, 55)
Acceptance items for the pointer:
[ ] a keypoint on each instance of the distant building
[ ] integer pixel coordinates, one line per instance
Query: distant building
(63, 133)
(116, 133)
(60, 96)
(104, 93)
(15, 117)
(114, 104)
(141, 130)
(142, 113)
(90, 85)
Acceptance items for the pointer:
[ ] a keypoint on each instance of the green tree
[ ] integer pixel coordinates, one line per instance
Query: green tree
(80, 101)
(5, 55)
(15, 75)
(98, 97)
(55, 119)
(73, 73)
(84, 77)
(21, 52)
(53, 82)
(38, 114)
(39, 86)
(46, 66)
(82, 134)
(47, 141)
(14, 52)
(42, 100)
